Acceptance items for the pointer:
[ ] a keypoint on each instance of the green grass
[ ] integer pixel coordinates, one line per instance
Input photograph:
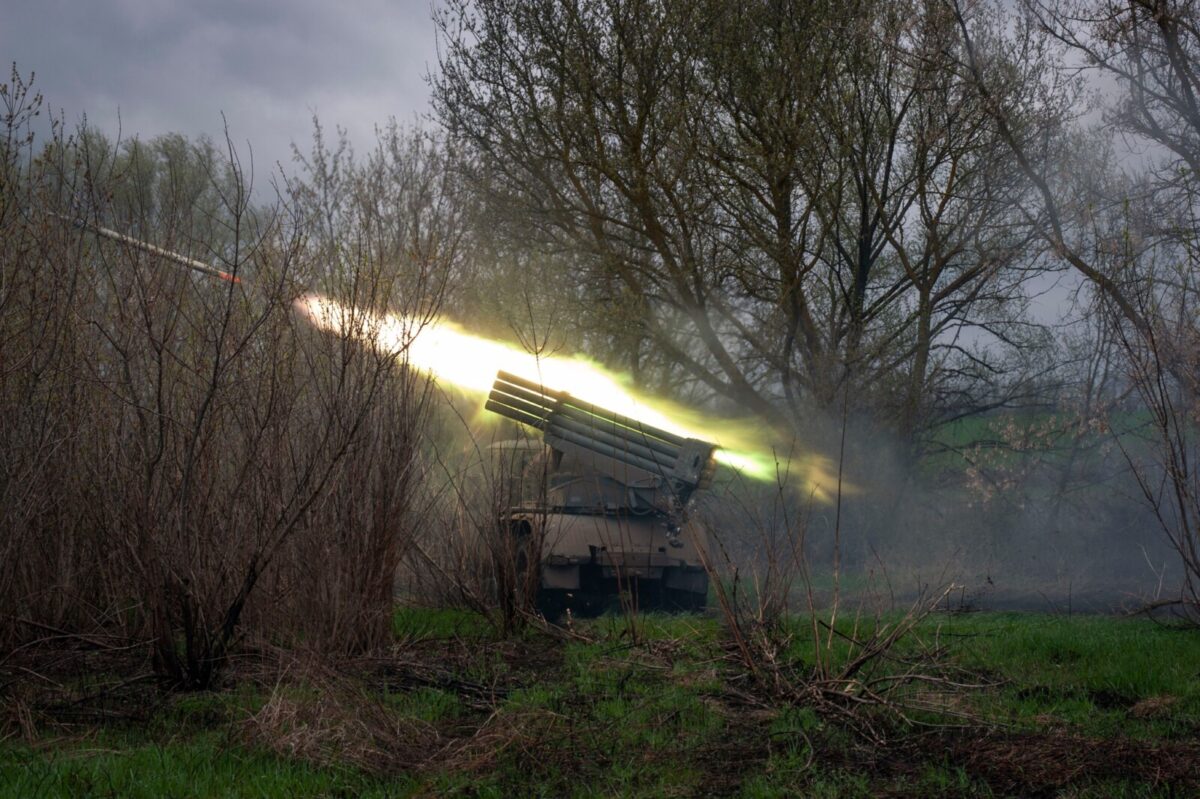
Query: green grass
(426, 704)
(202, 765)
(642, 708)
(423, 623)
(1090, 671)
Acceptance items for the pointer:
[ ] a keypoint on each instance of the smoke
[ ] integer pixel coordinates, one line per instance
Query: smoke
(1056, 524)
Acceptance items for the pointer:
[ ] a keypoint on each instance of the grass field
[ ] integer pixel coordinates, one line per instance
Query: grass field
(1055, 706)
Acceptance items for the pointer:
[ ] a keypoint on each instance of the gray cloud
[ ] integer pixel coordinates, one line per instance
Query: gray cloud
(268, 65)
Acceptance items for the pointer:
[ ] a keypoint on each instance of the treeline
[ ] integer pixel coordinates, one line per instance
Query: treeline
(787, 204)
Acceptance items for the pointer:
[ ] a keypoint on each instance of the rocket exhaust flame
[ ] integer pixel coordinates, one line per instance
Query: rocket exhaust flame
(470, 362)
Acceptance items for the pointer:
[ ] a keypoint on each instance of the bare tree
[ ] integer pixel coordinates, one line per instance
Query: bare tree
(1130, 238)
(789, 202)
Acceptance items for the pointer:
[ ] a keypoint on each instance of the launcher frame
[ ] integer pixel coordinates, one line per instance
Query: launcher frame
(661, 469)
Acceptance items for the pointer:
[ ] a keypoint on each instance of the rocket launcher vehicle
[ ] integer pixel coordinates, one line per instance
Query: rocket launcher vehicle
(613, 516)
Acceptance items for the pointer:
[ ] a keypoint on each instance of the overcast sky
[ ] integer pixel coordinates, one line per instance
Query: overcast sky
(174, 65)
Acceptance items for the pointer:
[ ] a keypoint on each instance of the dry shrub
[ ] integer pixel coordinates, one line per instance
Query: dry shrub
(16, 718)
(469, 555)
(521, 734)
(1163, 369)
(327, 717)
(185, 460)
(801, 648)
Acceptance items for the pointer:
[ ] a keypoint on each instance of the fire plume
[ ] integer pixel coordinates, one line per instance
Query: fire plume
(470, 362)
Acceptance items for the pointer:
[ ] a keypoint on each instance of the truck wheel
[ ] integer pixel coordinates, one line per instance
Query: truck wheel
(686, 601)
(652, 596)
(552, 603)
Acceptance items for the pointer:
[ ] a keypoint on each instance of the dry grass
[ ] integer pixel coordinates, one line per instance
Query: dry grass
(335, 717)
(340, 723)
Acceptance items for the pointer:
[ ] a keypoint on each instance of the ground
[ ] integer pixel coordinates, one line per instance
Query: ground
(1044, 706)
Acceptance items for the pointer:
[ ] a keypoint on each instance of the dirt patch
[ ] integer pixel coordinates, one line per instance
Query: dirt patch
(532, 659)
(1042, 763)
(741, 750)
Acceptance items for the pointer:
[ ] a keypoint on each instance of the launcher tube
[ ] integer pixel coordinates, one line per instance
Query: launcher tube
(553, 420)
(616, 442)
(623, 456)
(624, 421)
(621, 432)
(562, 413)
(522, 404)
(514, 414)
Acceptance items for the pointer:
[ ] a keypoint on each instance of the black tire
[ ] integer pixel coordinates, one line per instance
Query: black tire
(651, 596)
(552, 604)
(683, 601)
